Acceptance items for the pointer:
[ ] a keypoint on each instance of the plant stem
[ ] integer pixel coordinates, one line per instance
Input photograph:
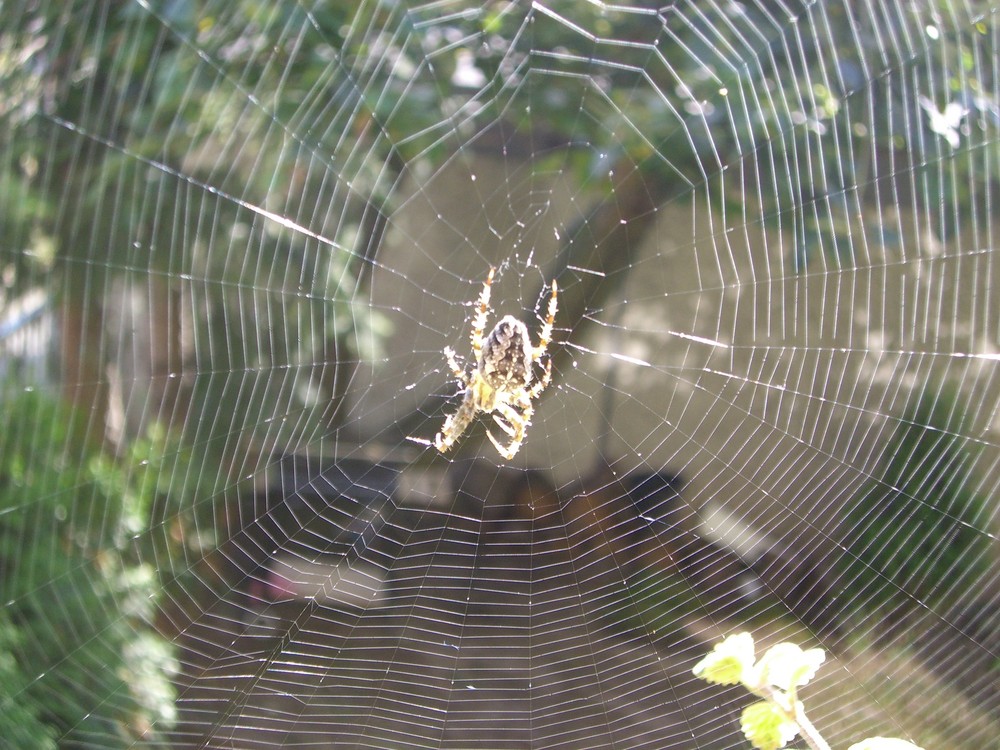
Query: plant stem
(793, 710)
(809, 732)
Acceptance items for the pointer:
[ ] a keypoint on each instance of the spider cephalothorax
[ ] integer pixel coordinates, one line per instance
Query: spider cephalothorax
(501, 381)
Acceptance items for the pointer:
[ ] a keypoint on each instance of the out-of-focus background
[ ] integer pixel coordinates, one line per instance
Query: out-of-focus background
(235, 240)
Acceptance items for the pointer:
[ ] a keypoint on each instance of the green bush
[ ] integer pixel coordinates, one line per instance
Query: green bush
(20, 710)
(80, 662)
(914, 535)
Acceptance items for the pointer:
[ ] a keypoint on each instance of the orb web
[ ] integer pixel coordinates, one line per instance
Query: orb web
(240, 237)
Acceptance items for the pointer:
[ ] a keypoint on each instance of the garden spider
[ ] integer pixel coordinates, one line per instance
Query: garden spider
(500, 383)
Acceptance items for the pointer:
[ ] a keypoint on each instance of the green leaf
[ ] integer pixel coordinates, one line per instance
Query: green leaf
(728, 662)
(766, 727)
(786, 666)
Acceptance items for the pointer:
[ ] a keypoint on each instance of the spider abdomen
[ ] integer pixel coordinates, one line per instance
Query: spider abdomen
(505, 361)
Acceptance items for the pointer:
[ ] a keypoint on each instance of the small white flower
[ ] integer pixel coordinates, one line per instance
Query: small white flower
(944, 122)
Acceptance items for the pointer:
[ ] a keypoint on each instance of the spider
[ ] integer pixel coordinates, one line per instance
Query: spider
(500, 383)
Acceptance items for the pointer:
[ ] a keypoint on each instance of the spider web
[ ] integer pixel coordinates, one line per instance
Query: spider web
(240, 237)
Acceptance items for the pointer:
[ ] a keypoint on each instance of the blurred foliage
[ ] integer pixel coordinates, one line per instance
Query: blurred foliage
(21, 711)
(772, 108)
(295, 110)
(171, 511)
(89, 547)
(917, 536)
(116, 119)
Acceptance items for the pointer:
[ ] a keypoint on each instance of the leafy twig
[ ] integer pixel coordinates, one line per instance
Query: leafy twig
(774, 721)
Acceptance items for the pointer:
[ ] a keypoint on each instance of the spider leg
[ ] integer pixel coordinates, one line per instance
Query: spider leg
(504, 425)
(514, 419)
(542, 383)
(515, 427)
(546, 333)
(456, 423)
(508, 451)
(479, 321)
(449, 354)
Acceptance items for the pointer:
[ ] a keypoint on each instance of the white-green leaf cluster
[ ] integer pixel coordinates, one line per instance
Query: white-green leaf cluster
(784, 666)
(766, 726)
(883, 743)
(774, 721)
